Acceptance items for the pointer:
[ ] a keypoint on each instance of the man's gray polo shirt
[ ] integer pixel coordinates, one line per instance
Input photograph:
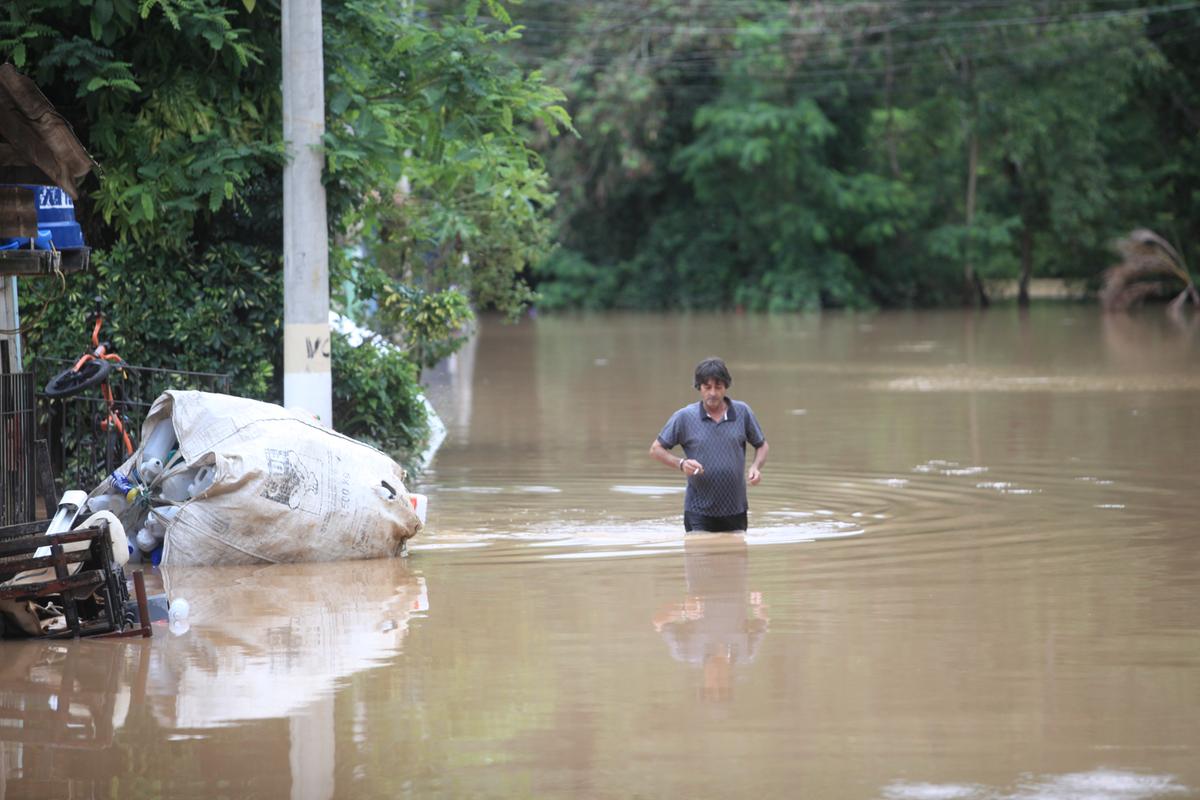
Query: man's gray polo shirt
(721, 447)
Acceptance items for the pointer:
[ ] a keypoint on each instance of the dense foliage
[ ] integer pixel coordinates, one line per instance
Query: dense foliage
(786, 155)
(436, 201)
(378, 397)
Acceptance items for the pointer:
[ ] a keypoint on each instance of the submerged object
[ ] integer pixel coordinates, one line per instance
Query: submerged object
(177, 616)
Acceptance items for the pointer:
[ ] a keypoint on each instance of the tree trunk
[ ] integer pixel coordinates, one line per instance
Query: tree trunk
(1026, 265)
(975, 293)
(888, 81)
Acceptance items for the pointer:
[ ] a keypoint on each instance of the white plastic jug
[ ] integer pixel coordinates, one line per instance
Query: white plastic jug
(146, 540)
(177, 486)
(204, 479)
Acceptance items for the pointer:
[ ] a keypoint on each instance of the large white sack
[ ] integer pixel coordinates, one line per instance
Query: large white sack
(284, 489)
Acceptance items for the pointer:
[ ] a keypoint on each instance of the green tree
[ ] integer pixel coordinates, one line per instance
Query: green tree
(1037, 92)
(754, 197)
(778, 160)
(784, 155)
(635, 75)
(1158, 163)
(432, 154)
(179, 103)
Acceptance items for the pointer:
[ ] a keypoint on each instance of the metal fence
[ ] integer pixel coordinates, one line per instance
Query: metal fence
(82, 451)
(18, 460)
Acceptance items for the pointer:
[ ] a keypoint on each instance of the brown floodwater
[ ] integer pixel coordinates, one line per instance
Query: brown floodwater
(972, 572)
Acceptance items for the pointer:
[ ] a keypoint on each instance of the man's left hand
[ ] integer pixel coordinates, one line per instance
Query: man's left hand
(754, 476)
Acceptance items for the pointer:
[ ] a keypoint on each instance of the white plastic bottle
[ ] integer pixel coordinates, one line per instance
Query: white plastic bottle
(149, 470)
(108, 502)
(165, 515)
(160, 442)
(155, 450)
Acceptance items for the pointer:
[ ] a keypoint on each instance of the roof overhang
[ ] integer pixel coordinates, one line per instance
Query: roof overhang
(37, 144)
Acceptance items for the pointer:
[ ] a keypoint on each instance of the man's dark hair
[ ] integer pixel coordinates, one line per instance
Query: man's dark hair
(712, 368)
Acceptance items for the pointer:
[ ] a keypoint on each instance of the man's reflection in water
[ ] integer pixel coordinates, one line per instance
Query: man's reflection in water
(720, 623)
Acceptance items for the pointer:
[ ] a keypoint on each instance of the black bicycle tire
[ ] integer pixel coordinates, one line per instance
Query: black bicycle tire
(71, 381)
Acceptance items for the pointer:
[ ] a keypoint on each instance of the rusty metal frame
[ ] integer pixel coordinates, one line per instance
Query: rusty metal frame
(20, 553)
(44, 262)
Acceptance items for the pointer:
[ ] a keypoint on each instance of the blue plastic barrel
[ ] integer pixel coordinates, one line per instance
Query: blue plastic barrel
(55, 220)
(56, 213)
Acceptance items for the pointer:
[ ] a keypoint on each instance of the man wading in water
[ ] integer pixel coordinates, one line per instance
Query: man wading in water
(713, 434)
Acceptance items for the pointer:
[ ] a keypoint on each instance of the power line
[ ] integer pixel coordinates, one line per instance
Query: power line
(711, 56)
(702, 60)
(863, 82)
(855, 47)
(942, 24)
(699, 68)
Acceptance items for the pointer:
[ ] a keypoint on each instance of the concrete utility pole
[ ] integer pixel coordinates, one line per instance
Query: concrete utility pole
(307, 381)
(10, 320)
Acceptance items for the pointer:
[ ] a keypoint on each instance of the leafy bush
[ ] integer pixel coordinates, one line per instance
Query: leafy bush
(376, 397)
(568, 280)
(434, 324)
(221, 312)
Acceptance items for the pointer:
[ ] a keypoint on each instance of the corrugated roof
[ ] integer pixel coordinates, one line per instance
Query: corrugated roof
(37, 144)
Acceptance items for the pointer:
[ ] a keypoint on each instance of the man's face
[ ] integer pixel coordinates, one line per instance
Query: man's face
(712, 392)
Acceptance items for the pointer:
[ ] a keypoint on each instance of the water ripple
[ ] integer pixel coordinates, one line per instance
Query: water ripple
(1098, 784)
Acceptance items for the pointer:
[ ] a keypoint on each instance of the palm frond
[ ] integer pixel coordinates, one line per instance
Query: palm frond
(1147, 259)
